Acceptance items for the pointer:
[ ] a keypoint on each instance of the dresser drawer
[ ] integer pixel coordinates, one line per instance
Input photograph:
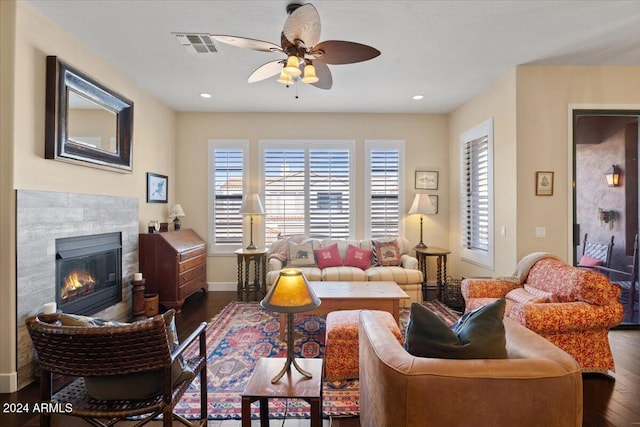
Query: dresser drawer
(191, 254)
(189, 275)
(191, 263)
(192, 286)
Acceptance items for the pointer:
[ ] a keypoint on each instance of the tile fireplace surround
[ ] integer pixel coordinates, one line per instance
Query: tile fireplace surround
(44, 216)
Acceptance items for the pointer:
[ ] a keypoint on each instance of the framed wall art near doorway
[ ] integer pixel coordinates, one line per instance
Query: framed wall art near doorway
(544, 183)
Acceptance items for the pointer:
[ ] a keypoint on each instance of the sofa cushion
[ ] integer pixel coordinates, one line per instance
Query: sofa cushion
(140, 385)
(479, 334)
(343, 274)
(523, 297)
(356, 257)
(328, 257)
(301, 254)
(539, 292)
(387, 253)
(402, 276)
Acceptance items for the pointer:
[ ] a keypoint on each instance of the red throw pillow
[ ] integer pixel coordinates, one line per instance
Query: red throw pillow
(356, 257)
(587, 261)
(328, 257)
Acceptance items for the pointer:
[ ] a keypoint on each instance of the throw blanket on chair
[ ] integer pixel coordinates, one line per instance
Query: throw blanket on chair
(525, 264)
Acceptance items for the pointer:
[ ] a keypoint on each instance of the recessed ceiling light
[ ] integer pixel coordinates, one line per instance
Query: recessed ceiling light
(205, 95)
(418, 97)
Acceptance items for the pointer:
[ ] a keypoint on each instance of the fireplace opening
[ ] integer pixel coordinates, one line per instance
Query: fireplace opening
(88, 273)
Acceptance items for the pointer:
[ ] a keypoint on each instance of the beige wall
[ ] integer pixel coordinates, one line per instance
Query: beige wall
(23, 165)
(531, 110)
(545, 95)
(8, 377)
(425, 139)
(497, 101)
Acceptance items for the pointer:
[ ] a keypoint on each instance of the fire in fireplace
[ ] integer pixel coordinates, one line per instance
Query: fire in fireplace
(88, 272)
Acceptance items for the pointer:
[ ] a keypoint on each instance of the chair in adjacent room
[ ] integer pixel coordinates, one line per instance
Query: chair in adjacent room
(595, 254)
(130, 358)
(628, 283)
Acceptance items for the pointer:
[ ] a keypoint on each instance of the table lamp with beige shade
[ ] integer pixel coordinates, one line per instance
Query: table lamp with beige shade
(421, 205)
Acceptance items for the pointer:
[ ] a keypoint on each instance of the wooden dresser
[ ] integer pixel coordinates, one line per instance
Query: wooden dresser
(174, 265)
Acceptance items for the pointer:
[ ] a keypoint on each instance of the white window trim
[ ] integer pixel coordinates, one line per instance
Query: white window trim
(307, 144)
(384, 144)
(243, 144)
(484, 259)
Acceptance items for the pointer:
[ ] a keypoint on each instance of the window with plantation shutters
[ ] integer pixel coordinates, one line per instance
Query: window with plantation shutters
(476, 204)
(307, 187)
(383, 188)
(227, 168)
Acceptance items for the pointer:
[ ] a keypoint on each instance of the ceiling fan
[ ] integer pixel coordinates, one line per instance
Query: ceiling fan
(306, 59)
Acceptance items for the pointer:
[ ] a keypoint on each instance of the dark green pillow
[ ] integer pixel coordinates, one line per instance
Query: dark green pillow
(479, 334)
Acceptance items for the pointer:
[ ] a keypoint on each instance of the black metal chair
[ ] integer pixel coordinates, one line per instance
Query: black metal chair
(597, 250)
(140, 347)
(628, 283)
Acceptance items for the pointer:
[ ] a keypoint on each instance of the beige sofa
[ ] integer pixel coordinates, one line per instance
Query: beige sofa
(539, 385)
(406, 275)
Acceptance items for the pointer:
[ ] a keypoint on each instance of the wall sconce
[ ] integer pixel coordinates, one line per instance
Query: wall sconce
(613, 176)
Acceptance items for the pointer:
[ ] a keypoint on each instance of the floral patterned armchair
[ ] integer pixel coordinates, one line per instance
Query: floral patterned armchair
(571, 307)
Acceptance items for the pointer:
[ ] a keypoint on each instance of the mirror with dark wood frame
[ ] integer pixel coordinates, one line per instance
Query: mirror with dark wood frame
(86, 123)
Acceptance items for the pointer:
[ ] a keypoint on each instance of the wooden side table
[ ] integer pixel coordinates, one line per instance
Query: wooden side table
(441, 267)
(256, 289)
(292, 385)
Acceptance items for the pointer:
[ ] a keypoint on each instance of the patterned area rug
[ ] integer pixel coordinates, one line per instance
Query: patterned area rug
(241, 334)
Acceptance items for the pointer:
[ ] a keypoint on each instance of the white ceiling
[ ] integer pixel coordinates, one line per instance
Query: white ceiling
(444, 50)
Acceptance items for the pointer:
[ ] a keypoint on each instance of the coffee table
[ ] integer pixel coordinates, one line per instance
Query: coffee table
(384, 296)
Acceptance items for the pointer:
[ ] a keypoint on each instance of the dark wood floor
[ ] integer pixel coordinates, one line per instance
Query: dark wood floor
(607, 401)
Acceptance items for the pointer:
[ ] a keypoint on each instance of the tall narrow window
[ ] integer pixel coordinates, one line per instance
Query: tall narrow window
(227, 166)
(383, 188)
(476, 231)
(307, 190)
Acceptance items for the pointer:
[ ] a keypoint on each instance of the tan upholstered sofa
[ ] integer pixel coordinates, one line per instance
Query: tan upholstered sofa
(539, 385)
(572, 307)
(406, 274)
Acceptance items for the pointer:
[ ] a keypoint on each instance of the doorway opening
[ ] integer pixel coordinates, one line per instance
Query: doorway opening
(606, 142)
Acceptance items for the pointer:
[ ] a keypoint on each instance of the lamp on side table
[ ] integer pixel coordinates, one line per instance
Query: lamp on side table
(290, 294)
(421, 205)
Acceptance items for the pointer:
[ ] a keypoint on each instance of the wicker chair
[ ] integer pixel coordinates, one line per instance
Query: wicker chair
(114, 350)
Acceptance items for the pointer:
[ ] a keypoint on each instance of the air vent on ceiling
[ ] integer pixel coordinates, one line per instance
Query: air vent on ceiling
(196, 43)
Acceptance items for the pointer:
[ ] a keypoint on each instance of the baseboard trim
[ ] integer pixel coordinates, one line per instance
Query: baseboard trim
(9, 382)
(222, 286)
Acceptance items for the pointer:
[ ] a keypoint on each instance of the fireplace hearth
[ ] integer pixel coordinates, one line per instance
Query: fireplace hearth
(88, 273)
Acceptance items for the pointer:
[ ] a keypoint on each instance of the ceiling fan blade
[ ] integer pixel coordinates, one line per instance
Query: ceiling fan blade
(325, 80)
(303, 24)
(247, 43)
(265, 71)
(285, 43)
(343, 52)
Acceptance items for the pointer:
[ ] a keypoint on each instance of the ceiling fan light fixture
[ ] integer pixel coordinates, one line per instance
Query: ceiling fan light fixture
(310, 74)
(285, 78)
(293, 66)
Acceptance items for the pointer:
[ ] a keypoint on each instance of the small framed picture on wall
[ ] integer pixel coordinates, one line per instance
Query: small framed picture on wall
(426, 180)
(157, 188)
(544, 183)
